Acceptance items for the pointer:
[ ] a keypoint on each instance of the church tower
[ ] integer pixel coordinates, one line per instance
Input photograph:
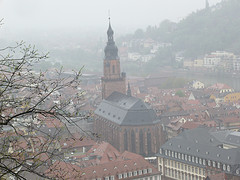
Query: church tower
(113, 79)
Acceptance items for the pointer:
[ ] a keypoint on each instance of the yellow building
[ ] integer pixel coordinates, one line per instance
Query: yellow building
(232, 97)
(198, 63)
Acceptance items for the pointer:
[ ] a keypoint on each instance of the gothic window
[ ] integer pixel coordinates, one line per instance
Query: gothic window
(141, 143)
(149, 144)
(125, 140)
(133, 141)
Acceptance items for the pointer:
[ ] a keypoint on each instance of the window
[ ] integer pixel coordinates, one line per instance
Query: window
(166, 152)
(193, 158)
(218, 165)
(176, 155)
(214, 164)
(189, 158)
(228, 168)
(224, 167)
(185, 157)
(140, 172)
(112, 178)
(149, 170)
(209, 163)
(145, 171)
(204, 162)
(113, 69)
(119, 176)
(172, 154)
(197, 160)
(182, 156)
(130, 174)
(135, 173)
(196, 170)
(160, 151)
(106, 178)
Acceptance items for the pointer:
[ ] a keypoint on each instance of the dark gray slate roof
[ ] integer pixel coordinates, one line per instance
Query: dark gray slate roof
(228, 137)
(126, 110)
(201, 143)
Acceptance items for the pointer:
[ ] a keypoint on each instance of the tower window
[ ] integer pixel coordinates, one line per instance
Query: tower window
(113, 69)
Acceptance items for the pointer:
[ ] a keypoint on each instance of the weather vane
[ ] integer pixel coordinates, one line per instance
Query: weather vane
(109, 15)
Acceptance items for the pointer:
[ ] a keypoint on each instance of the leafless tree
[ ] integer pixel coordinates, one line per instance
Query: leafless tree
(28, 102)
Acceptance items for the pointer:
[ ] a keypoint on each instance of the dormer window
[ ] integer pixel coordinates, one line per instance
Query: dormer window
(209, 163)
(228, 168)
(119, 176)
(214, 164)
(140, 172)
(218, 165)
(224, 167)
(149, 170)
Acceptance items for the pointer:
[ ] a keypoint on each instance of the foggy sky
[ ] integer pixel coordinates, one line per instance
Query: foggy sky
(126, 15)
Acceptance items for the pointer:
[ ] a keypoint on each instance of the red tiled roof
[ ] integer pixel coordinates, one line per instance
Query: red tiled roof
(191, 125)
(219, 86)
(71, 171)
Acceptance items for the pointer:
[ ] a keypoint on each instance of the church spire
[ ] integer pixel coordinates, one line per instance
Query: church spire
(111, 50)
(129, 92)
(110, 32)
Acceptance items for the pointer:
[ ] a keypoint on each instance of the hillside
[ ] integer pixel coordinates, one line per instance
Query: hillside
(210, 29)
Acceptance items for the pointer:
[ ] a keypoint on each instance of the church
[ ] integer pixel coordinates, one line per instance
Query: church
(124, 121)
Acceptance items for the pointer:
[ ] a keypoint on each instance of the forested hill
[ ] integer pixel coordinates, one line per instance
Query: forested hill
(210, 29)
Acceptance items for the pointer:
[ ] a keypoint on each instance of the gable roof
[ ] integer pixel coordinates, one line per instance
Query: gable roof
(126, 110)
